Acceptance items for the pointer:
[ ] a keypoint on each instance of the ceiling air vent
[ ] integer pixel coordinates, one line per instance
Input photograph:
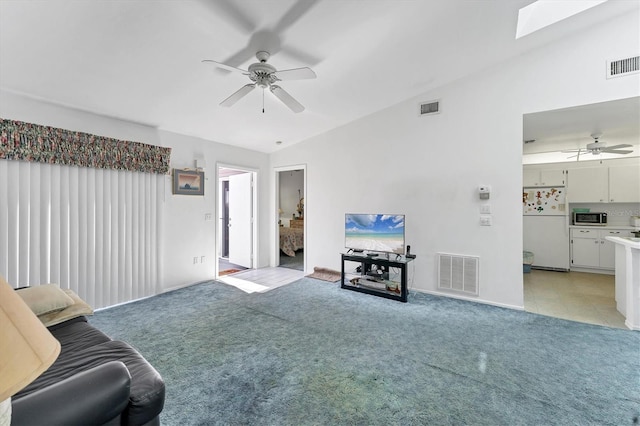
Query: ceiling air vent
(431, 107)
(622, 67)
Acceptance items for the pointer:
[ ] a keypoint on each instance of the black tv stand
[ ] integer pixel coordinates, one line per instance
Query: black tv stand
(365, 282)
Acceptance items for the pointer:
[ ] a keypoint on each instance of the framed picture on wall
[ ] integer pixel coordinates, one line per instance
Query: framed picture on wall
(188, 182)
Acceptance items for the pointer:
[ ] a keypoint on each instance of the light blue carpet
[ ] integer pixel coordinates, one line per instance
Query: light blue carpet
(310, 353)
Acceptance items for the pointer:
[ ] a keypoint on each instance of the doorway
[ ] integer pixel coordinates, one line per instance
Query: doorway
(553, 142)
(290, 183)
(236, 245)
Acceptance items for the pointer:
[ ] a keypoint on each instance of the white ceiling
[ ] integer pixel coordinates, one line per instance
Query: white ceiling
(141, 60)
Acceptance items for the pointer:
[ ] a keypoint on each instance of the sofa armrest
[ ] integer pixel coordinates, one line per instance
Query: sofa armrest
(95, 396)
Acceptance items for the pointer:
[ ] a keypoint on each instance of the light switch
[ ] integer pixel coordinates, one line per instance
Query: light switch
(485, 208)
(485, 220)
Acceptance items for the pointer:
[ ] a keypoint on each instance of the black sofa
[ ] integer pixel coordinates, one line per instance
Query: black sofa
(94, 381)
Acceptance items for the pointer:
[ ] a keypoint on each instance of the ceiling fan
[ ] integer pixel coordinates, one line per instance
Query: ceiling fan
(597, 147)
(265, 75)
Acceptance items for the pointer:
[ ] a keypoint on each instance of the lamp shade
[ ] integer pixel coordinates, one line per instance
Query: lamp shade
(27, 348)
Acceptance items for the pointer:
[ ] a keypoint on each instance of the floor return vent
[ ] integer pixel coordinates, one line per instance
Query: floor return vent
(458, 273)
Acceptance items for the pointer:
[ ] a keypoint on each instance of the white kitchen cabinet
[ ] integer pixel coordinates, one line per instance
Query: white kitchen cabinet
(615, 184)
(543, 177)
(624, 184)
(588, 184)
(585, 248)
(590, 249)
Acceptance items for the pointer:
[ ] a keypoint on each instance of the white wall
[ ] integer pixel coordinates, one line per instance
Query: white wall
(429, 168)
(186, 234)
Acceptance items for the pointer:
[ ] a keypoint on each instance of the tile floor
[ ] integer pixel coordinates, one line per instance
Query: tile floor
(263, 279)
(576, 296)
(224, 264)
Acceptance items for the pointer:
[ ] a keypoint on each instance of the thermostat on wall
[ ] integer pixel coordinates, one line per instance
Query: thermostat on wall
(484, 191)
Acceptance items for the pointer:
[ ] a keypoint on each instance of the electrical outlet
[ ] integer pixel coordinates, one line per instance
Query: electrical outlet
(208, 216)
(485, 220)
(485, 208)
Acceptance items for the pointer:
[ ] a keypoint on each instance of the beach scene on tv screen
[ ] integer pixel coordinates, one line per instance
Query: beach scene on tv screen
(375, 232)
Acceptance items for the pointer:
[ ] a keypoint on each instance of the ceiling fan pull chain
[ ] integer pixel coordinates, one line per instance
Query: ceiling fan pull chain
(263, 100)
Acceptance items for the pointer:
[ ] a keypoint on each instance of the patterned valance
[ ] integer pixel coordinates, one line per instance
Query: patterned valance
(44, 144)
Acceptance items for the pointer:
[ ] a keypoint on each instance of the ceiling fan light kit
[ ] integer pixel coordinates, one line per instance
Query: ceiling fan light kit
(265, 75)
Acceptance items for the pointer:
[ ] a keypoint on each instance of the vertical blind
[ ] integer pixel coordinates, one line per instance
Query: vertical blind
(94, 231)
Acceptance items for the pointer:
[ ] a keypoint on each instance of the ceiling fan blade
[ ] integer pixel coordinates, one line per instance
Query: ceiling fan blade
(245, 54)
(243, 91)
(286, 99)
(225, 66)
(295, 12)
(571, 150)
(299, 55)
(616, 151)
(233, 14)
(303, 73)
(623, 145)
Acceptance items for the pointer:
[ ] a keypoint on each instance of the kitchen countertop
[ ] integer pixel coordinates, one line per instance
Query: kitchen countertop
(625, 241)
(608, 226)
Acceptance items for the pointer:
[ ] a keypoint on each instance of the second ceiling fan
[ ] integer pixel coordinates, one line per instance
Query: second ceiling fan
(265, 76)
(597, 147)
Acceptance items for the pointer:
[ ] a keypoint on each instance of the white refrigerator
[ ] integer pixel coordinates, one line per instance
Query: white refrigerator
(545, 225)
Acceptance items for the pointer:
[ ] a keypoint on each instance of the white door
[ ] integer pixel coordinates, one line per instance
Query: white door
(240, 223)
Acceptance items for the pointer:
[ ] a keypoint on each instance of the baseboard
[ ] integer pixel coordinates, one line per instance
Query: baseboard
(470, 299)
(594, 271)
(124, 303)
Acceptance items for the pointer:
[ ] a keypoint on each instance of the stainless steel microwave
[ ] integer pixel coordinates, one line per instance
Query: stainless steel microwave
(592, 218)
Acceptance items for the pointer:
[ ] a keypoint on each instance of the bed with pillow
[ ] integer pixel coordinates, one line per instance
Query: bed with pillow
(291, 240)
(94, 380)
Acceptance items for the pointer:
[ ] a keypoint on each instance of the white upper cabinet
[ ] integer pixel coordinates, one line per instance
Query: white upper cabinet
(603, 183)
(624, 184)
(543, 177)
(589, 184)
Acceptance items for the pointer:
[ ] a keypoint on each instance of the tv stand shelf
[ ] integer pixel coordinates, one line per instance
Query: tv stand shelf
(376, 284)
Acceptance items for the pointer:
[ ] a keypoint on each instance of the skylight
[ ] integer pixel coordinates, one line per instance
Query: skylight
(543, 13)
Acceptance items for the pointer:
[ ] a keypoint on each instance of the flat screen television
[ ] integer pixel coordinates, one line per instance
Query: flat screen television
(374, 232)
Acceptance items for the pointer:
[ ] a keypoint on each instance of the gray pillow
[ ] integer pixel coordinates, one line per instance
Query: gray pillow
(46, 298)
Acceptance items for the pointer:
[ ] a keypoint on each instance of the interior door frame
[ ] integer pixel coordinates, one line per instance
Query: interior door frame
(275, 252)
(254, 212)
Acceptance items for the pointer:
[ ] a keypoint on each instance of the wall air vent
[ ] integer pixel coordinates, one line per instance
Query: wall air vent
(621, 67)
(458, 273)
(431, 107)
